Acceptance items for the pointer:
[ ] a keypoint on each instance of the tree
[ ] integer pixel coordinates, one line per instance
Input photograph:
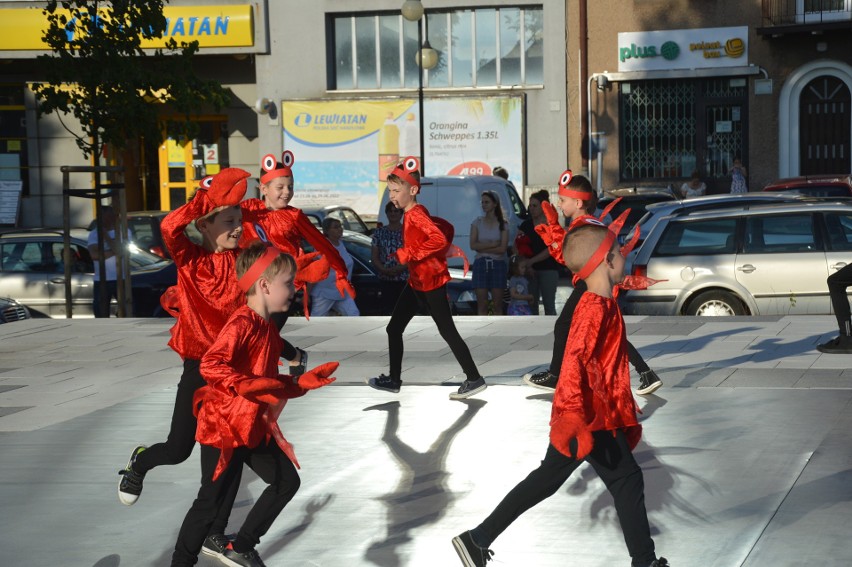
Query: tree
(99, 73)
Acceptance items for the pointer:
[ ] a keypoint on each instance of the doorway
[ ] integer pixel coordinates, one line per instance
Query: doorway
(824, 127)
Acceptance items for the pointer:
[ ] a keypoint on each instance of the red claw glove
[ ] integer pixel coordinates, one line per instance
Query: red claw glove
(567, 428)
(638, 282)
(318, 377)
(261, 390)
(344, 286)
(228, 187)
(170, 301)
(552, 233)
(311, 268)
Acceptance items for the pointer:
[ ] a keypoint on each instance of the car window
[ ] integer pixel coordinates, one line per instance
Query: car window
(350, 221)
(839, 231)
(22, 257)
(779, 233)
(81, 259)
(362, 253)
(704, 237)
(315, 220)
(142, 230)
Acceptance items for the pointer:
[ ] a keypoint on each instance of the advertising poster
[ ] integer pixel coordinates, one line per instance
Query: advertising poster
(344, 149)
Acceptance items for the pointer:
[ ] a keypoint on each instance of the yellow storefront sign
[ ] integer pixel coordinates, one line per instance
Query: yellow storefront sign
(212, 26)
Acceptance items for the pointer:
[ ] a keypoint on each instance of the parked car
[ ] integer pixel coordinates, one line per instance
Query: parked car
(457, 199)
(655, 211)
(368, 289)
(815, 185)
(751, 260)
(11, 310)
(349, 219)
(32, 271)
(145, 228)
(637, 200)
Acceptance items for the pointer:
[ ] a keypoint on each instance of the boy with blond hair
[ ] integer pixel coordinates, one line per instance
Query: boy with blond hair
(593, 417)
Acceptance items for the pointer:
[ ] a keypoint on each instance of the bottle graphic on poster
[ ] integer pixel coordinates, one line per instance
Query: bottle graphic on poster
(388, 151)
(409, 137)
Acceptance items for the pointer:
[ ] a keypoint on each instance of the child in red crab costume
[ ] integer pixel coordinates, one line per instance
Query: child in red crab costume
(593, 417)
(238, 411)
(424, 252)
(578, 201)
(204, 298)
(285, 226)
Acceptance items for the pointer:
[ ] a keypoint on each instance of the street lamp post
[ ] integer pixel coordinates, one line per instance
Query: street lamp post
(426, 58)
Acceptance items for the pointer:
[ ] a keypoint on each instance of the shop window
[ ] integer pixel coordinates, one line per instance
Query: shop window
(489, 47)
(14, 162)
(815, 11)
(671, 128)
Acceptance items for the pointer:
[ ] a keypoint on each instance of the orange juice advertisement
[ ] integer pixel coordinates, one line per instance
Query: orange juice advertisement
(344, 149)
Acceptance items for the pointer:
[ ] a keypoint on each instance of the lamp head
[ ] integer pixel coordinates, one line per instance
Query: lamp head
(412, 10)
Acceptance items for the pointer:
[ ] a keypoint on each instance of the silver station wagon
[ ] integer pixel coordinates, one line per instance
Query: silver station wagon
(768, 259)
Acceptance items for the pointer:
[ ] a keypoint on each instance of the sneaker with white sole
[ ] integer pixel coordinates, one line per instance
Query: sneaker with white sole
(248, 559)
(544, 380)
(469, 388)
(130, 485)
(216, 544)
(385, 383)
(649, 383)
(471, 555)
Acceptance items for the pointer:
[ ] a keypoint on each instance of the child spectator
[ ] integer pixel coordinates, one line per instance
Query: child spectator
(425, 254)
(325, 297)
(593, 417)
(239, 411)
(519, 288)
(577, 200)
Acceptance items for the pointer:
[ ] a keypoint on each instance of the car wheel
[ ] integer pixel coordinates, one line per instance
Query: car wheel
(715, 303)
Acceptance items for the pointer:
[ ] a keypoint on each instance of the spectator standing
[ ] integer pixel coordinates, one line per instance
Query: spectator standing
(386, 241)
(108, 287)
(545, 268)
(738, 177)
(325, 295)
(489, 238)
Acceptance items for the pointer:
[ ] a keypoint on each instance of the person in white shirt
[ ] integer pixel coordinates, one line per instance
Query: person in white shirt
(694, 187)
(325, 296)
(108, 219)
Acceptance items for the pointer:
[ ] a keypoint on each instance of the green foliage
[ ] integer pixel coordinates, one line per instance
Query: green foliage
(99, 73)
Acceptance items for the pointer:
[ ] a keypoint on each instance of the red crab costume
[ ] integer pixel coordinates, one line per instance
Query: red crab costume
(285, 228)
(593, 392)
(206, 292)
(427, 240)
(244, 395)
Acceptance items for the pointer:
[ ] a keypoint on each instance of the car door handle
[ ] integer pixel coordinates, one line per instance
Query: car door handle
(57, 280)
(747, 268)
(838, 265)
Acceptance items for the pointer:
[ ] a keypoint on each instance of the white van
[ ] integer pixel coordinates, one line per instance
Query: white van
(456, 198)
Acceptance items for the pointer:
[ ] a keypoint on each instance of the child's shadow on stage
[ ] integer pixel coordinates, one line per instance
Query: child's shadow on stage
(421, 496)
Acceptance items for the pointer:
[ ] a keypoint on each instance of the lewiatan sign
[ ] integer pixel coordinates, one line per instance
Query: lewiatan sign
(683, 49)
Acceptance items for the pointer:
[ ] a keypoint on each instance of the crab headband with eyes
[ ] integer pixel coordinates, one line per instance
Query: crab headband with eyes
(565, 191)
(404, 170)
(256, 270)
(601, 251)
(269, 165)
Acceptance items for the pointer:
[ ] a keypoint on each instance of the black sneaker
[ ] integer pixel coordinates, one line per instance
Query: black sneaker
(471, 555)
(840, 345)
(545, 380)
(248, 559)
(215, 544)
(130, 485)
(649, 382)
(661, 562)
(469, 388)
(385, 383)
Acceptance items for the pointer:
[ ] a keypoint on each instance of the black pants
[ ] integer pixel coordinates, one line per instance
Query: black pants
(613, 462)
(288, 352)
(563, 326)
(838, 282)
(271, 465)
(438, 306)
(181, 439)
(108, 288)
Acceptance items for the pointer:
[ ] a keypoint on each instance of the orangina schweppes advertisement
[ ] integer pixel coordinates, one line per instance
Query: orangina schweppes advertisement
(344, 149)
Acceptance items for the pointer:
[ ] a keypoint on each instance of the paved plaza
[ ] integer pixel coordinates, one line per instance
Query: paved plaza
(746, 451)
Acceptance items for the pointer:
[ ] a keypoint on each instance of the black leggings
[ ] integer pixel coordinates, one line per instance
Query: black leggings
(837, 284)
(613, 462)
(271, 465)
(563, 326)
(438, 306)
(181, 439)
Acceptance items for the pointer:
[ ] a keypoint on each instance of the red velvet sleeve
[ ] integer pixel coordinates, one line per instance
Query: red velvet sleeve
(218, 366)
(320, 243)
(174, 225)
(580, 364)
(431, 240)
